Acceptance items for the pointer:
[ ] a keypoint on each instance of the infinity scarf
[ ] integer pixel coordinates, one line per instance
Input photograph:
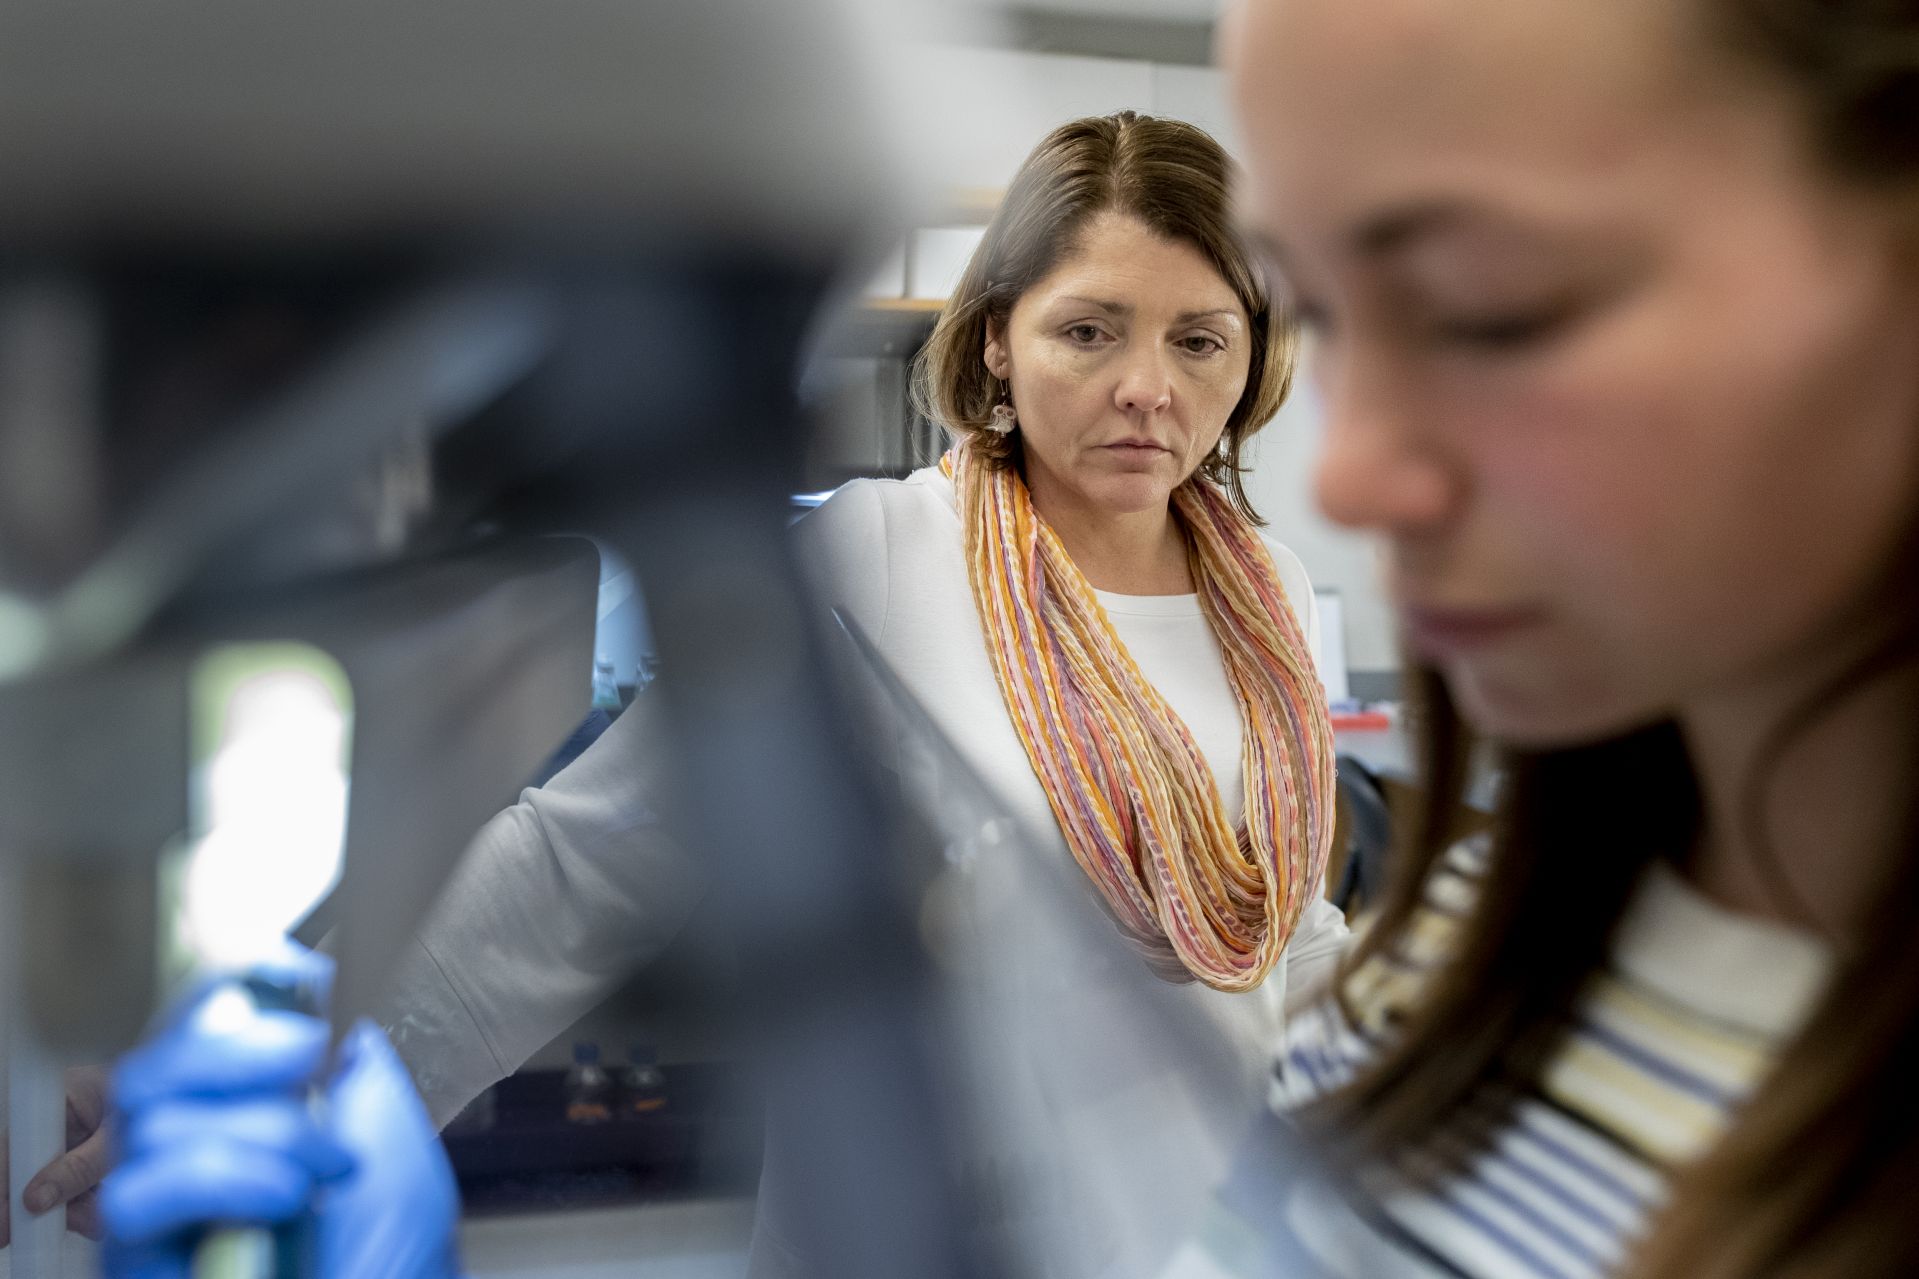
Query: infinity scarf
(1133, 795)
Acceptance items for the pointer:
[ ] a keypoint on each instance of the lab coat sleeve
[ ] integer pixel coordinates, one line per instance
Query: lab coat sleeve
(1298, 585)
(843, 551)
(842, 548)
(558, 899)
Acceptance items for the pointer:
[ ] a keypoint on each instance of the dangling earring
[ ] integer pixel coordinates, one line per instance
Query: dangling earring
(1003, 419)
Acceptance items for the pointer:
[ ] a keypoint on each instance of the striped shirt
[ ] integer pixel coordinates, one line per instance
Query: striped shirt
(1691, 1009)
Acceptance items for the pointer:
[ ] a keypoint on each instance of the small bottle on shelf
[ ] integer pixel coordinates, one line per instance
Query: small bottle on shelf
(642, 1083)
(588, 1090)
(606, 690)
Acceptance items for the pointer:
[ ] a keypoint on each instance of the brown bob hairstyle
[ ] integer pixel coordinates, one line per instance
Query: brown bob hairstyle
(1171, 176)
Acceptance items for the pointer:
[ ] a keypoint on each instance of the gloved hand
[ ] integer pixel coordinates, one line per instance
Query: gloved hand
(215, 1128)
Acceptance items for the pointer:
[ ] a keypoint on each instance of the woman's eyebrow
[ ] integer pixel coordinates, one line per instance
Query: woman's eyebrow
(1397, 229)
(1124, 309)
(1391, 231)
(1216, 313)
(1101, 304)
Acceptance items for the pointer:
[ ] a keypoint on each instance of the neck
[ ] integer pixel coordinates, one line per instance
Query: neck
(1125, 552)
(1808, 839)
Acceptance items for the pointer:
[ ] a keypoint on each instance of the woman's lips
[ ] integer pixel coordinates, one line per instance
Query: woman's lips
(1137, 454)
(1455, 632)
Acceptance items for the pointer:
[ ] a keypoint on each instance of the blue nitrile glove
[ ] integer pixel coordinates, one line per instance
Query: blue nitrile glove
(216, 1128)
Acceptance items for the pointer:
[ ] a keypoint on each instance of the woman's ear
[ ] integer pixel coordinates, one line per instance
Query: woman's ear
(994, 356)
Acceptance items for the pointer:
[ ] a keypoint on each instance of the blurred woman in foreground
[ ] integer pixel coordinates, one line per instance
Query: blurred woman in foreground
(1615, 310)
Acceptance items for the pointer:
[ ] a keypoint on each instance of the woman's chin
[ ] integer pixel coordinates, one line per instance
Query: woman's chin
(1540, 713)
(1129, 493)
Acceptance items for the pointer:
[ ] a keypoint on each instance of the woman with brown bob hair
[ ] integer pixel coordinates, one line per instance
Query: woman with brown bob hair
(1105, 357)
(1079, 595)
(1077, 590)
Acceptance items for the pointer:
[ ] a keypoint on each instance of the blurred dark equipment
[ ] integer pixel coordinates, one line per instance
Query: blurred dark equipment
(312, 321)
(1369, 837)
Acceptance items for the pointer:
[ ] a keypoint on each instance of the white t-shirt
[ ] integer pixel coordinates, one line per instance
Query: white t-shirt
(1165, 634)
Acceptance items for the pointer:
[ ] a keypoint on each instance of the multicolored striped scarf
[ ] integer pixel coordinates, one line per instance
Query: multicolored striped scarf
(1134, 797)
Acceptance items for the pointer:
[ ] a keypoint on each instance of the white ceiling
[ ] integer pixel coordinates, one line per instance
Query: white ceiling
(1157, 10)
(1161, 10)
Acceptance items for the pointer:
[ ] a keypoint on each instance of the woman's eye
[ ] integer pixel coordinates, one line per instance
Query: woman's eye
(1501, 332)
(1202, 344)
(1084, 334)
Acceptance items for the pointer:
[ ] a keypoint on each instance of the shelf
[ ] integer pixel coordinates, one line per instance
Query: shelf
(704, 1143)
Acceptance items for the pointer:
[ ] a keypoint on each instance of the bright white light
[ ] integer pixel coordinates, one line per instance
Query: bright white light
(23, 636)
(272, 801)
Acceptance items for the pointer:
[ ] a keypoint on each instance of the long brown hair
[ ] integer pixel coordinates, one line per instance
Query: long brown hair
(1819, 1175)
(1171, 176)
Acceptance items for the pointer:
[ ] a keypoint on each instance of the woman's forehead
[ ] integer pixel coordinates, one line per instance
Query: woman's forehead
(1466, 52)
(1369, 102)
(1118, 260)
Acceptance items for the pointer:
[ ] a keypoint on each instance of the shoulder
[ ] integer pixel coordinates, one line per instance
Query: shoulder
(1292, 573)
(864, 547)
(1298, 585)
(862, 515)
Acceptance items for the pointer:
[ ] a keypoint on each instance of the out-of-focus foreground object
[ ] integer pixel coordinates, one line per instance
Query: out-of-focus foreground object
(311, 318)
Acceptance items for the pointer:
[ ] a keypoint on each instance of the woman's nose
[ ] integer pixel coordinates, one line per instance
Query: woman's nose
(1381, 465)
(1145, 383)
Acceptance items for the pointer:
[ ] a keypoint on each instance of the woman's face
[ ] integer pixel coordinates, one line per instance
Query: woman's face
(1124, 364)
(1627, 385)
